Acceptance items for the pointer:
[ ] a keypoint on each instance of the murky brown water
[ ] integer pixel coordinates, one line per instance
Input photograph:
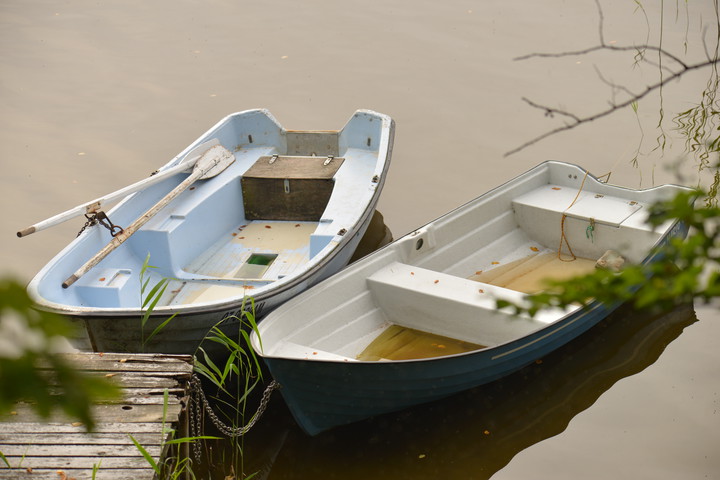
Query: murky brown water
(402, 343)
(96, 95)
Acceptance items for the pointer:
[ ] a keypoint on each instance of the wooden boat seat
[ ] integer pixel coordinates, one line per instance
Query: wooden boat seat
(447, 305)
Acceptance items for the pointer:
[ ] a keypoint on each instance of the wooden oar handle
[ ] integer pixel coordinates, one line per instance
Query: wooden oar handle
(26, 231)
(132, 228)
(186, 164)
(216, 156)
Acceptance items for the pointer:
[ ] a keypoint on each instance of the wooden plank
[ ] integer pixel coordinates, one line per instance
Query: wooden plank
(181, 364)
(151, 400)
(145, 396)
(130, 392)
(76, 428)
(103, 473)
(42, 438)
(140, 379)
(59, 450)
(131, 380)
(294, 167)
(61, 463)
(104, 413)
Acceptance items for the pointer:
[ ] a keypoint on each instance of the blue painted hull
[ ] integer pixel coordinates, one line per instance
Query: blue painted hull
(202, 242)
(323, 395)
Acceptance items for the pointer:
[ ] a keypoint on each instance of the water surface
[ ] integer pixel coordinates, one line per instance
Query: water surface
(96, 95)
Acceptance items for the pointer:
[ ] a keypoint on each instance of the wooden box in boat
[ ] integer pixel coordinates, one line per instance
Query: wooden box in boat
(289, 187)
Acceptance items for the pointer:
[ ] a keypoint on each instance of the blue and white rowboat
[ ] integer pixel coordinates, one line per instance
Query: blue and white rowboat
(287, 210)
(417, 320)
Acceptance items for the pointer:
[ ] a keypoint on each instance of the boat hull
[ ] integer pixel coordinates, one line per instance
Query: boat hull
(315, 345)
(322, 395)
(187, 331)
(216, 244)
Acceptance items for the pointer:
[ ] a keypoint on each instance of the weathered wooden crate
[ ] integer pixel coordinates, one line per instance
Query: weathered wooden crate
(289, 187)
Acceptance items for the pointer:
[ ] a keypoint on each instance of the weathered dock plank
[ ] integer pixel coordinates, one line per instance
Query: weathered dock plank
(43, 438)
(59, 448)
(76, 474)
(124, 412)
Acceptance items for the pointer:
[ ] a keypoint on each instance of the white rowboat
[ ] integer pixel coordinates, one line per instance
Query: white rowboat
(417, 320)
(283, 210)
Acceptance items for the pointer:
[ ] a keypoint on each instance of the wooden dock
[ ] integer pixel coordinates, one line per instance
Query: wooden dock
(59, 449)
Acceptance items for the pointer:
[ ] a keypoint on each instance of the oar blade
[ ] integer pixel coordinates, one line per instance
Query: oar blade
(214, 161)
(196, 153)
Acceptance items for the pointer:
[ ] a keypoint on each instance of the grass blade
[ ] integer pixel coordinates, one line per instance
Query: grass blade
(151, 461)
(159, 328)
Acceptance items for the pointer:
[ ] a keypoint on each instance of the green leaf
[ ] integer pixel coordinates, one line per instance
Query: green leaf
(5, 460)
(159, 328)
(148, 458)
(180, 441)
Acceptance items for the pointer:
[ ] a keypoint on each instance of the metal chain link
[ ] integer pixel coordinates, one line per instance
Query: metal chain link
(100, 217)
(199, 405)
(91, 221)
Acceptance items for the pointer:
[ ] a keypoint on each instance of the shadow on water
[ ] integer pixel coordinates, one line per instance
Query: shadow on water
(473, 434)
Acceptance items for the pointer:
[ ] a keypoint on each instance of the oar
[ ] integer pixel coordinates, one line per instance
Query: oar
(211, 163)
(185, 165)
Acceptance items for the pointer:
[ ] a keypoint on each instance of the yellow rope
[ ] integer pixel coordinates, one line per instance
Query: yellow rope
(562, 225)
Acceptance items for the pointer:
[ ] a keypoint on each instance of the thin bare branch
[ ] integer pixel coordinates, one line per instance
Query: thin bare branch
(549, 111)
(613, 86)
(586, 51)
(591, 118)
(601, 21)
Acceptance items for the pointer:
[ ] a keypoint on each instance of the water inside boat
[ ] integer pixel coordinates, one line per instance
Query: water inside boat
(529, 274)
(256, 253)
(402, 343)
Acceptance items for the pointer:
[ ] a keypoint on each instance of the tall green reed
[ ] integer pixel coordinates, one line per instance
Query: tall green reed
(234, 374)
(233, 371)
(149, 298)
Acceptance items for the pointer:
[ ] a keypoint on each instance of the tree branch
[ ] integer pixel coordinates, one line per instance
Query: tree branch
(576, 120)
(586, 51)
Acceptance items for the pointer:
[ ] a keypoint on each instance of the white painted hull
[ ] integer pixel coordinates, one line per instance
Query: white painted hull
(444, 279)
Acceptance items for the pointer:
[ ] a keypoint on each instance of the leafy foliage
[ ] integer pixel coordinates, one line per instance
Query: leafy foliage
(700, 126)
(31, 369)
(684, 270)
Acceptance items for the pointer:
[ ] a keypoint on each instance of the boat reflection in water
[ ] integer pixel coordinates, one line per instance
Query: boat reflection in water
(475, 433)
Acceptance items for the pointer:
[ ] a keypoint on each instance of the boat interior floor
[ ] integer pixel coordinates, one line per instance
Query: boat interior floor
(474, 323)
(402, 343)
(255, 254)
(530, 274)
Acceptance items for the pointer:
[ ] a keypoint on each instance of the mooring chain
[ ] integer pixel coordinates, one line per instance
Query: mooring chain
(198, 403)
(100, 217)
